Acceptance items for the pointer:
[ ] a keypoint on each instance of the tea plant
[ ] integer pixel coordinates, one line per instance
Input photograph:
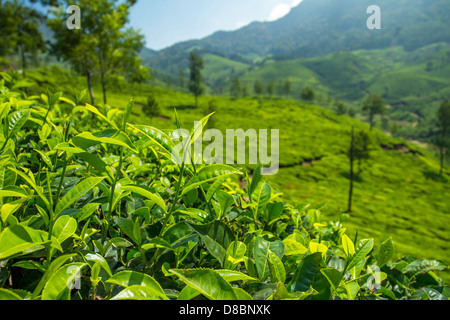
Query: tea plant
(93, 207)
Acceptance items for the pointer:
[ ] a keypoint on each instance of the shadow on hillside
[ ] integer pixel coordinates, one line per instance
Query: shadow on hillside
(431, 175)
(357, 177)
(185, 107)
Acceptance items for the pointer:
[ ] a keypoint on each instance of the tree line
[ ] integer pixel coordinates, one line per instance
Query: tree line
(104, 49)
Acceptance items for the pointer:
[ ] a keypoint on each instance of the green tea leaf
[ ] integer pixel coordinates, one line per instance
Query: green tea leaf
(260, 198)
(146, 192)
(235, 254)
(129, 279)
(64, 228)
(207, 282)
(54, 266)
(333, 276)
(419, 267)
(293, 248)
(96, 258)
(208, 174)
(347, 244)
(308, 275)
(60, 284)
(278, 268)
(10, 208)
(386, 252)
(19, 239)
(139, 293)
(364, 247)
(86, 139)
(8, 295)
(261, 252)
(232, 275)
(127, 226)
(16, 121)
(76, 193)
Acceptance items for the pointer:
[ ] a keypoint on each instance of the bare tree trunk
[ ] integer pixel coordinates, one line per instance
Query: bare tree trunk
(102, 74)
(350, 194)
(24, 61)
(89, 81)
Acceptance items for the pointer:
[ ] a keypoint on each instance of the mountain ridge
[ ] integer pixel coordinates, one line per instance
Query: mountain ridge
(319, 27)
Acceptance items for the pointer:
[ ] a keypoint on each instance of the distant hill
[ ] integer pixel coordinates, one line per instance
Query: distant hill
(319, 27)
(326, 44)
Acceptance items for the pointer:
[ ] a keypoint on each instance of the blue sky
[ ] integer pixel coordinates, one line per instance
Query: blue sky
(165, 22)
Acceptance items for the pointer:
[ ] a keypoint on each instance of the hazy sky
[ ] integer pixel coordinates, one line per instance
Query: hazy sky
(165, 22)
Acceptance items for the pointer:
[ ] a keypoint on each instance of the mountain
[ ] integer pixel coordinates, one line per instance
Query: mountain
(319, 27)
(326, 45)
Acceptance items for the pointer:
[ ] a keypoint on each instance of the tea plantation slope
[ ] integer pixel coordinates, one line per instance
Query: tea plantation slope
(132, 229)
(398, 191)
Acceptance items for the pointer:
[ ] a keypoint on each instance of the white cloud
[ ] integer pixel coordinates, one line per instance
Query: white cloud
(279, 11)
(282, 9)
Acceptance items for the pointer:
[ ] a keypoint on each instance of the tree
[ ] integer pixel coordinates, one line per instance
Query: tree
(351, 155)
(373, 104)
(151, 109)
(359, 151)
(442, 141)
(287, 88)
(181, 82)
(351, 112)
(104, 43)
(280, 88)
(340, 107)
(258, 88)
(19, 28)
(307, 94)
(195, 81)
(76, 46)
(244, 91)
(271, 88)
(361, 148)
(212, 107)
(235, 87)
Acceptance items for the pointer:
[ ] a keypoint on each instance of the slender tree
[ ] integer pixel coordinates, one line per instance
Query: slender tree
(258, 88)
(287, 88)
(351, 155)
(118, 45)
(235, 87)
(195, 81)
(103, 45)
(442, 141)
(373, 104)
(340, 107)
(271, 88)
(308, 94)
(361, 147)
(181, 80)
(20, 32)
(244, 91)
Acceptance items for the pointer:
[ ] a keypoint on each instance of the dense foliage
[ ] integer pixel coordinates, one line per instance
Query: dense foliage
(93, 207)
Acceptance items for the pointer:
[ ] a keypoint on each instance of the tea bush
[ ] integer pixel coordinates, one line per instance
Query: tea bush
(93, 207)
